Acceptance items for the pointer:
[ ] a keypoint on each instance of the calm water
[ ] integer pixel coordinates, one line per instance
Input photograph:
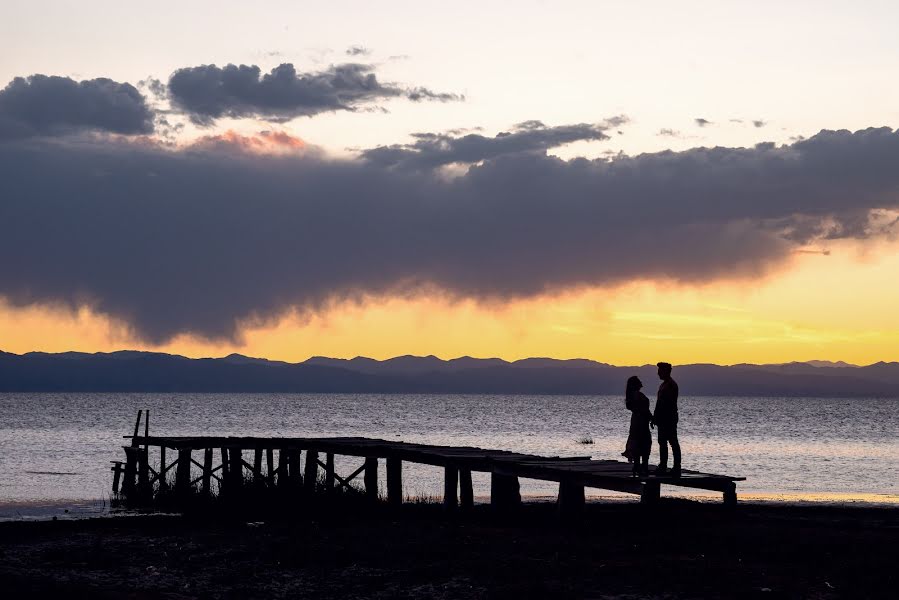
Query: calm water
(55, 448)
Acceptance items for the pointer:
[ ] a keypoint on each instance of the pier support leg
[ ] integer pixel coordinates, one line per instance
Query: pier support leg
(225, 468)
(571, 500)
(235, 469)
(162, 472)
(129, 485)
(450, 488)
(294, 468)
(207, 471)
(270, 464)
(257, 468)
(730, 495)
(466, 490)
(371, 477)
(652, 491)
(394, 481)
(116, 476)
(505, 493)
(329, 472)
(283, 469)
(143, 474)
(182, 473)
(310, 473)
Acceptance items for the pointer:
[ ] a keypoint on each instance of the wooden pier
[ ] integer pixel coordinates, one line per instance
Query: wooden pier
(233, 463)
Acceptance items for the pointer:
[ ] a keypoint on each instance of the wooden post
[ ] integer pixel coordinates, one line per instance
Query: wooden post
(505, 493)
(129, 485)
(270, 463)
(257, 468)
(182, 473)
(296, 471)
(147, 424)
(207, 471)
(450, 488)
(571, 500)
(329, 472)
(235, 470)
(466, 489)
(370, 477)
(652, 491)
(116, 476)
(224, 467)
(283, 471)
(394, 481)
(730, 495)
(136, 428)
(162, 482)
(310, 473)
(143, 475)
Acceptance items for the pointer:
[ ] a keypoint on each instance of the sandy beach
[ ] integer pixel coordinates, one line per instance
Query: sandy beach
(680, 550)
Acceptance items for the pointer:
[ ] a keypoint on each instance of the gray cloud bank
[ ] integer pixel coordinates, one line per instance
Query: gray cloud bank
(196, 239)
(42, 105)
(430, 150)
(208, 92)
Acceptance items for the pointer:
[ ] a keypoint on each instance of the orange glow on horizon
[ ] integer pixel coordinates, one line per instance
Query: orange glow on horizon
(833, 307)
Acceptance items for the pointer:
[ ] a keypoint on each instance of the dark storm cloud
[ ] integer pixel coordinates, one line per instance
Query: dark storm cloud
(700, 122)
(197, 239)
(430, 150)
(758, 123)
(358, 51)
(42, 105)
(209, 92)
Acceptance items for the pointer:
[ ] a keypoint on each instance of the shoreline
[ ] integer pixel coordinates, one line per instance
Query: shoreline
(681, 549)
(80, 509)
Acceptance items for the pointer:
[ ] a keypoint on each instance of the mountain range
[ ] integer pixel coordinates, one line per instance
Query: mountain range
(134, 371)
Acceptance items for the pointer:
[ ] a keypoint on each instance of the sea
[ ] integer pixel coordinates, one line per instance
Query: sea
(56, 449)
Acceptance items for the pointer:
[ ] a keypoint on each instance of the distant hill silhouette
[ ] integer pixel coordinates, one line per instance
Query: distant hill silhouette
(132, 371)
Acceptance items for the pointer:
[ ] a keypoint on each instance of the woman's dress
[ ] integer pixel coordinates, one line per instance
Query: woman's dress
(639, 439)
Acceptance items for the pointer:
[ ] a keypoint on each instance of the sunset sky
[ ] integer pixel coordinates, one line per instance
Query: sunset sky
(626, 182)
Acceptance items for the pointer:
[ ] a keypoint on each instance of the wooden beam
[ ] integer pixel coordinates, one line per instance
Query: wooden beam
(329, 472)
(270, 466)
(310, 473)
(371, 477)
(163, 484)
(182, 473)
(207, 471)
(394, 481)
(505, 493)
(116, 476)
(258, 480)
(235, 469)
(283, 469)
(466, 490)
(652, 491)
(450, 488)
(730, 495)
(134, 441)
(571, 500)
(144, 490)
(129, 485)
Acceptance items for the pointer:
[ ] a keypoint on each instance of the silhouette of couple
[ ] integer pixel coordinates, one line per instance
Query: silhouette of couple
(639, 439)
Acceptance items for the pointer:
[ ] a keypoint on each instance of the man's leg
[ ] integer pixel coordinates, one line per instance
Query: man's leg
(675, 447)
(663, 447)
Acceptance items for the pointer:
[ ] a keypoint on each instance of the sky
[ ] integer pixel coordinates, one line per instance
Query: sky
(627, 182)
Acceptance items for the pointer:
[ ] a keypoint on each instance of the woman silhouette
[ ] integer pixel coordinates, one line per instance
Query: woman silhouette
(639, 439)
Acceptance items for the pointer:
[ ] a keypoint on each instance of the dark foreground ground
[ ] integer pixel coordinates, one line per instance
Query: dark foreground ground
(618, 551)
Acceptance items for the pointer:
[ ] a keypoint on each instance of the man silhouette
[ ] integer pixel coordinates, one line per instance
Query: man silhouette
(665, 418)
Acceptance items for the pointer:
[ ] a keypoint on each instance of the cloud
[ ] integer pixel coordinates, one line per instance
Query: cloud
(202, 238)
(667, 132)
(431, 150)
(208, 92)
(42, 105)
(757, 123)
(358, 51)
(700, 122)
